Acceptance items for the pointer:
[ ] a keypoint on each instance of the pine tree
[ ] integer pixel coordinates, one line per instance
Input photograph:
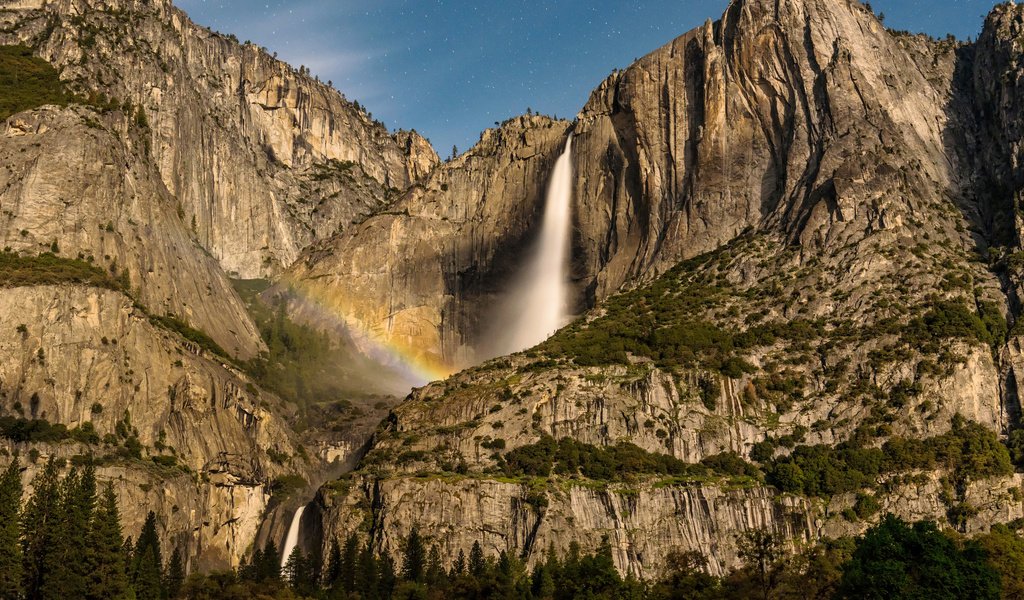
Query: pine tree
(459, 566)
(333, 576)
(477, 564)
(367, 575)
(175, 575)
(349, 562)
(147, 565)
(270, 566)
(10, 531)
(388, 577)
(415, 559)
(435, 575)
(40, 526)
(297, 572)
(105, 560)
(68, 573)
(251, 570)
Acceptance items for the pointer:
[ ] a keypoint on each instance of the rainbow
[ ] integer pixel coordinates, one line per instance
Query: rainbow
(418, 365)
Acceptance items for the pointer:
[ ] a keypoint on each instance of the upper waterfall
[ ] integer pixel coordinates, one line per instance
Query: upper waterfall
(537, 304)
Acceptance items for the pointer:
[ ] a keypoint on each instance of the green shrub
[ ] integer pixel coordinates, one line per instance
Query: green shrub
(49, 269)
(27, 82)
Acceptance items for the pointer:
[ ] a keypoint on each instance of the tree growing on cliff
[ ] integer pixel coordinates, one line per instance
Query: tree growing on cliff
(10, 530)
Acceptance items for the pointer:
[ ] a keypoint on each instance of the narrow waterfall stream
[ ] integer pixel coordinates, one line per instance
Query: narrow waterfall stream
(292, 539)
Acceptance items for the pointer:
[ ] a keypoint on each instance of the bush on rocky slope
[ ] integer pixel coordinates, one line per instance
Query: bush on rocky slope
(27, 82)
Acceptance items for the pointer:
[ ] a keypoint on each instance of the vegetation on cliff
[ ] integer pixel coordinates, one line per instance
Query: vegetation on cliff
(27, 81)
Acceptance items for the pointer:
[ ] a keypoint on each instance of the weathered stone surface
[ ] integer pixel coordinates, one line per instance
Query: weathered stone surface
(422, 276)
(89, 356)
(239, 138)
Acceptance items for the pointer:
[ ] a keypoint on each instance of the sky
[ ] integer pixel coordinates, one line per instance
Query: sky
(451, 68)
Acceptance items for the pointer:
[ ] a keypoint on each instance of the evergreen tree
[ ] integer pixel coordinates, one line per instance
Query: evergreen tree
(388, 578)
(247, 571)
(67, 572)
(415, 559)
(367, 583)
(297, 572)
(435, 575)
(269, 568)
(459, 566)
(477, 564)
(10, 531)
(147, 565)
(105, 559)
(175, 575)
(333, 575)
(40, 523)
(349, 561)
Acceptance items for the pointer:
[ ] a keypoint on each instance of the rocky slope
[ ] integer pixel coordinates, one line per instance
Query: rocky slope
(184, 156)
(847, 202)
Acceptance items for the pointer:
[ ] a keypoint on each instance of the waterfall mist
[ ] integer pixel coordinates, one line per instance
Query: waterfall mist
(536, 304)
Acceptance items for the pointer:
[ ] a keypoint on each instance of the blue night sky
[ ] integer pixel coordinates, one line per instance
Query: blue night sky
(450, 68)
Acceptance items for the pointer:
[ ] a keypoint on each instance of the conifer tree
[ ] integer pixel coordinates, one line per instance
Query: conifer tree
(40, 525)
(435, 575)
(147, 567)
(415, 558)
(388, 577)
(459, 566)
(367, 582)
(251, 571)
(477, 564)
(105, 559)
(175, 575)
(270, 566)
(333, 576)
(10, 530)
(67, 571)
(349, 562)
(296, 571)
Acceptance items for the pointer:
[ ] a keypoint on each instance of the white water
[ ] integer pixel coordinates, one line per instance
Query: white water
(293, 536)
(537, 304)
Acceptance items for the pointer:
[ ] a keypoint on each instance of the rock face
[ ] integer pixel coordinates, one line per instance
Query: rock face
(262, 158)
(852, 197)
(88, 355)
(420, 276)
(785, 117)
(81, 181)
(827, 171)
(190, 157)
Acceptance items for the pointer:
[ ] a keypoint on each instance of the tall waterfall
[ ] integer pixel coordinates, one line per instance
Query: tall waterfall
(537, 304)
(293, 536)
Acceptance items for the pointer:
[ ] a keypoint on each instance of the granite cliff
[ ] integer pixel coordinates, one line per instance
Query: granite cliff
(796, 243)
(797, 230)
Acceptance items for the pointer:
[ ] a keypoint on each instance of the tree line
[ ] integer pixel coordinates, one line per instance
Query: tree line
(66, 542)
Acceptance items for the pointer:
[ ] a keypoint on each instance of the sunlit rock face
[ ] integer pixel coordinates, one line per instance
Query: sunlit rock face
(776, 118)
(262, 158)
(834, 169)
(423, 276)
